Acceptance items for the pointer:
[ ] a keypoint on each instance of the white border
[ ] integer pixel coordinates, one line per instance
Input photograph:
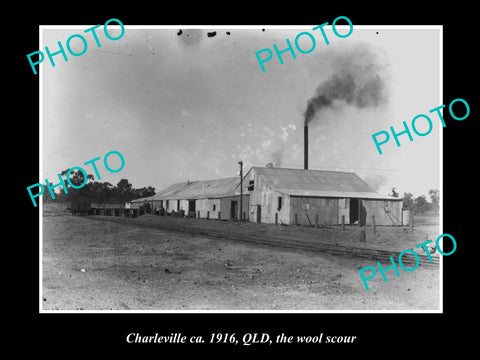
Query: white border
(440, 101)
(40, 176)
(404, 27)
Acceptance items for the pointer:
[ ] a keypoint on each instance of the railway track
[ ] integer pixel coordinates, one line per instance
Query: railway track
(351, 251)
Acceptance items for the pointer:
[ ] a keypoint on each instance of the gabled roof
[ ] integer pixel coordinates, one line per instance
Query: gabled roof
(301, 182)
(205, 189)
(294, 182)
(165, 192)
(168, 192)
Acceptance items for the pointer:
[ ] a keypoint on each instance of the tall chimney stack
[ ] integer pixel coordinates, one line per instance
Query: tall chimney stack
(305, 149)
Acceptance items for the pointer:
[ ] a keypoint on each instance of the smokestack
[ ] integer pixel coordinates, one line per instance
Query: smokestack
(305, 148)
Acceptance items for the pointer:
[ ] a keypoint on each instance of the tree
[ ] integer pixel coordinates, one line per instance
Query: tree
(435, 197)
(144, 192)
(408, 201)
(124, 186)
(107, 192)
(123, 191)
(98, 192)
(421, 204)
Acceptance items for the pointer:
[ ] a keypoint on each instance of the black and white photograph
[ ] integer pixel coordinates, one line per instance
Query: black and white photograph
(209, 178)
(241, 168)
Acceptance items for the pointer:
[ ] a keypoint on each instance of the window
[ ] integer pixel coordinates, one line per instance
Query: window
(167, 203)
(214, 207)
(279, 202)
(251, 185)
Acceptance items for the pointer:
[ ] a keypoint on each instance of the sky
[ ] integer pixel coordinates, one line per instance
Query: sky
(180, 105)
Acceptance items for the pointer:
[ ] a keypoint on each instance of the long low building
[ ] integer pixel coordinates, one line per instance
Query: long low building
(286, 196)
(219, 199)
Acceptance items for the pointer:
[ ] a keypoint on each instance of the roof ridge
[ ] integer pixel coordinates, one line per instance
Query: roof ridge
(282, 168)
(200, 181)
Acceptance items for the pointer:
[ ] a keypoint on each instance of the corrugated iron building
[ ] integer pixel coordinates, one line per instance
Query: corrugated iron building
(289, 196)
(219, 198)
(299, 196)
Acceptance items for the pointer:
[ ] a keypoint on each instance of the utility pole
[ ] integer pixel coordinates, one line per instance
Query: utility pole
(241, 189)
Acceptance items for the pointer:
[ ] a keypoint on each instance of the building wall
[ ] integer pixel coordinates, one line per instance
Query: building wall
(184, 206)
(344, 209)
(172, 205)
(222, 205)
(226, 203)
(329, 210)
(157, 204)
(205, 205)
(269, 203)
(202, 205)
(386, 212)
(225, 208)
(267, 199)
(308, 207)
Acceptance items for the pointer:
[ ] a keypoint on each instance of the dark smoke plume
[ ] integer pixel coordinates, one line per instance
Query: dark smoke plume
(358, 80)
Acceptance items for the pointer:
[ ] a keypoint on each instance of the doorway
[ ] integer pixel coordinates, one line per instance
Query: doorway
(354, 210)
(358, 212)
(191, 208)
(233, 209)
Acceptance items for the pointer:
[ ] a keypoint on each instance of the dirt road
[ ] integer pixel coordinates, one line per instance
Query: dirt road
(99, 265)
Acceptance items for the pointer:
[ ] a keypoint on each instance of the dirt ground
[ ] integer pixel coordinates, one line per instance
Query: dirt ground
(94, 264)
